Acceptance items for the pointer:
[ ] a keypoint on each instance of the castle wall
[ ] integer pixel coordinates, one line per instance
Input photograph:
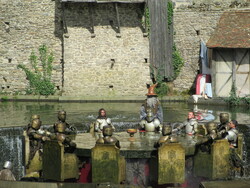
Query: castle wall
(24, 26)
(104, 65)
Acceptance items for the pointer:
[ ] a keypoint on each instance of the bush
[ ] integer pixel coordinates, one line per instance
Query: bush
(40, 79)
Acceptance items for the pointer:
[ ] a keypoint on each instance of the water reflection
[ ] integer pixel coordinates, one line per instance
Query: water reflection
(19, 113)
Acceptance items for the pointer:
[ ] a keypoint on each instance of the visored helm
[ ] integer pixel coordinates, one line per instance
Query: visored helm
(107, 131)
(166, 130)
(7, 165)
(60, 127)
(61, 137)
(35, 116)
(36, 124)
(62, 115)
(211, 126)
(224, 117)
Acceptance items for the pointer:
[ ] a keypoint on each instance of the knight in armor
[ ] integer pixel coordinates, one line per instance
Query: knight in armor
(107, 138)
(6, 173)
(102, 121)
(166, 136)
(232, 134)
(151, 108)
(60, 136)
(205, 142)
(62, 119)
(36, 136)
(190, 125)
(223, 126)
(150, 123)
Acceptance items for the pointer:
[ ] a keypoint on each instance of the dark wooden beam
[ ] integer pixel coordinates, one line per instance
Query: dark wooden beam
(92, 29)
(118, 20)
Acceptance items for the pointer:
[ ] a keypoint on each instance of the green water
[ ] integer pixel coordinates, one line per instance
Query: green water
(19, 113)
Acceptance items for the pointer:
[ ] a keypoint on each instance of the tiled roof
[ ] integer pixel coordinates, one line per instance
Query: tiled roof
(233, 31)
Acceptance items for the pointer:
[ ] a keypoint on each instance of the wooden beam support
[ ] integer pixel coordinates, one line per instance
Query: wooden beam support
(145, 33)
(118, 20)
(65, 29)
(92, 29)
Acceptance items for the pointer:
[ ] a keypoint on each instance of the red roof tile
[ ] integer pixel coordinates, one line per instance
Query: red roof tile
(233, 31)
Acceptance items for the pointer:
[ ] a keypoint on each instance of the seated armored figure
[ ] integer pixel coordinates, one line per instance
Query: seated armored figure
(5, 173)
(166, 136)
(62, 118)
(190, 124)
(102, 121)
(223, 126)
(107, 138)
(34, 116)
(36, 136)
(232, 134)
(60, 136)
(153, 103)
(150, 123)
(205, 142)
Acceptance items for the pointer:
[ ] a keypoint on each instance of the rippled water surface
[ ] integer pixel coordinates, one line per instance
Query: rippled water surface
(19, 113)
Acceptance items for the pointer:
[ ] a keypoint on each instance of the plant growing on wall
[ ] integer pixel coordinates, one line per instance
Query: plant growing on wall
(177, 62)
(40, 74)
(234, 100)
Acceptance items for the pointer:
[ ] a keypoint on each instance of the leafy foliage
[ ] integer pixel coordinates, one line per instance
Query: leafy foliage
(234, 100)
(162, 88)
(40, 75)
(177, 62)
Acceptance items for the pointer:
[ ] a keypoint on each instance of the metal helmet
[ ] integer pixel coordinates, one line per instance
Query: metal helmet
(62, 115)
(211, 126)
(60, 137)
(36, 124)
(224, 117)
(166, 130)
(157, 122)
(108, 120)
(107, 131)
(60, 127)
(7, 165)
(35, 116)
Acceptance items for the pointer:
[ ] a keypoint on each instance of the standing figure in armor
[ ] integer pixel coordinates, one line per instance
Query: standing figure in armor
(223, 126)
(102, 121)
(232, 134)
(62, 119)
(36, 136)
(191, 124)
(107, 138)
(151, 105)
(150, 123)
(6, 173)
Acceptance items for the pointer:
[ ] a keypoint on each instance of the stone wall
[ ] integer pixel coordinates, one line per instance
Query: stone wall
(195, 21)
(24, 26)
(105, 65)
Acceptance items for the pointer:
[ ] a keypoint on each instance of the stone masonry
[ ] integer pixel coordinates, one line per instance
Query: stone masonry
(196, 20)
(24, 26)
(107, 63)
